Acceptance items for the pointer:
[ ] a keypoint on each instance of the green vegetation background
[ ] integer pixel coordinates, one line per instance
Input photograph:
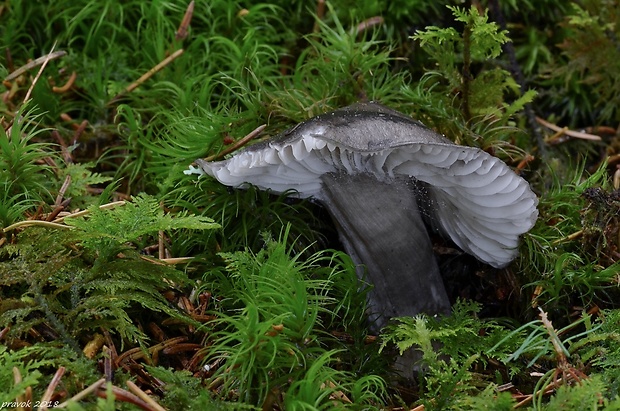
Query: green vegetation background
(115, 264)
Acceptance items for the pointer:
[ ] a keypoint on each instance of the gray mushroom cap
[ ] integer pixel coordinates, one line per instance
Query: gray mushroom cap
(471, 197)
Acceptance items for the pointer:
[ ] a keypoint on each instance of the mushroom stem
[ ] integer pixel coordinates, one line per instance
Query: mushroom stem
(381, 227)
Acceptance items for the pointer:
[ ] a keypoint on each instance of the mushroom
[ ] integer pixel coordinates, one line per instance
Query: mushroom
(381, 175)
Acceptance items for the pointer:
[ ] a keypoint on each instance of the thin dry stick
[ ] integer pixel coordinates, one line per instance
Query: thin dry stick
(9, 59)
(56, 223)
(51, 388)
(368, 24)
(79, 130)
(176, 260)
(63, 190)
(254, 133)
(161, 252)
(320, 13)
(530, 397)
(82, 394)
(569, 237)
(36, 78)
(35, 63)
(337, 395)
(67, 86)
(85, 212)
(40, 223)
(108, 368)
(57, 210)
(571, 133)
(184, 26)
(17, 378)
(4, 331)
(138, 353)
(125, 396)
(148, 74)
(93, 346)
(66, 154)
(167, 261)
(144, 396)
(160, 239)
(557, 137)
(555, 340)
(561, 359)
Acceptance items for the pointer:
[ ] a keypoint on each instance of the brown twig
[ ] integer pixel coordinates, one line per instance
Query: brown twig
(182, 347)
(528, 398)
(93, 346)
(368, 24)
(253, 134)
(7, 97)
(320, 13)
(526, 160)
(601, 130)
(51, 388)
(57, 223)
(569, 237)
(9, 59)
(564, 373)
(337, 395)
(85, 212)
(160, 239)
(17, 378)
(125, 396)
(82, 394)
(167, 261)
(138, 353)
(36, 78)
(565, 131)
(108, 360)
(58, 209)
(79, 130)
(4, 331)
(144, 396)
(66, 117)
(29, 223)
(66, 154)
(67, 86)
(553, 336)
(184, 26)
(110, 347)
(147, 75)
(62, 191)
(35, 63)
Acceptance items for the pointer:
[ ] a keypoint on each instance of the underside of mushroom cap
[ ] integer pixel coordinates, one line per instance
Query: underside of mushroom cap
(472, 197)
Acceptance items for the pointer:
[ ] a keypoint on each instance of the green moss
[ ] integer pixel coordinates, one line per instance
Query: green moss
(278, 63)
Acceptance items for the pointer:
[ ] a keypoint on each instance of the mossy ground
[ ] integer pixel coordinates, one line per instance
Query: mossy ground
(121, 273)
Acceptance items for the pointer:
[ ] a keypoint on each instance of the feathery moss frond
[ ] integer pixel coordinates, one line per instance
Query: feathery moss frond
(106, 231)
